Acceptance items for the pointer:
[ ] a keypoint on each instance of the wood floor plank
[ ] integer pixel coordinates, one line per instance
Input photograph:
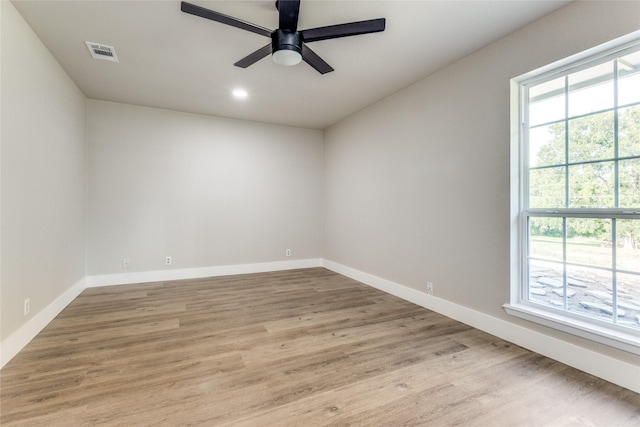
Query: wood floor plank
(287, 348)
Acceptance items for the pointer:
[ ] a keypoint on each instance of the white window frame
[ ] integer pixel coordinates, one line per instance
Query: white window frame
(612, 335)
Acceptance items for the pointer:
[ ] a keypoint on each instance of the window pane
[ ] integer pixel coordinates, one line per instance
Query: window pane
(547, 188)
(628, 250)
(544, 278)
(545, 238)
(591, 90)
(546, 102)
(628, 286)
(629, 131)
(629, 79)
(629, 177)
(582, 171)
(589, 292)
(591, 185)
(547, 145)
(591, 138)
(589, 241)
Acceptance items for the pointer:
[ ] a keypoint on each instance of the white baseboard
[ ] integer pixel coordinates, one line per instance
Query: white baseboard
(624, 374)
(20, 338)
(195, 273)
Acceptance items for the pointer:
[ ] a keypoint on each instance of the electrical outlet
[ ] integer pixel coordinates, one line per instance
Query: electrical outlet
(167, 261)
(27, 306)
(430, 288)
(125, 263)
(287, 252)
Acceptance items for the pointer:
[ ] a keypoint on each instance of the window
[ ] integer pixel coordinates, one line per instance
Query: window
(576, 226)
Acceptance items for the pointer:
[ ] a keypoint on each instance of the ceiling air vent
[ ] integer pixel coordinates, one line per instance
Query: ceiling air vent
(102, 51)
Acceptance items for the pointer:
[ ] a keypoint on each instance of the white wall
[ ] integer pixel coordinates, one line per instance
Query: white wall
(43, 176)
(207, 191)
(417, 186)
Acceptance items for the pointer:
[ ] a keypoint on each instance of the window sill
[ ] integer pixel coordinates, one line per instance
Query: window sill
(628, 342)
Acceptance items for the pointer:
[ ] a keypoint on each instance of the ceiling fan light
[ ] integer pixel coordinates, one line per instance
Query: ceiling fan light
(286, 57)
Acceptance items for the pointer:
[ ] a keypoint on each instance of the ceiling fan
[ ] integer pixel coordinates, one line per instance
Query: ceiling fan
(289, 45)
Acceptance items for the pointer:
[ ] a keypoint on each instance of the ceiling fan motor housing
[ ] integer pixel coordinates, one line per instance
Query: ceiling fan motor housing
(286, 40)
(286, 47)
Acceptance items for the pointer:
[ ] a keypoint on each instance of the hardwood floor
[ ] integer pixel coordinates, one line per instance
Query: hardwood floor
(295, 348)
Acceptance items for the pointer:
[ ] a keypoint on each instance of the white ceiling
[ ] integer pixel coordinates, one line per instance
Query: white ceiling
(169, 59)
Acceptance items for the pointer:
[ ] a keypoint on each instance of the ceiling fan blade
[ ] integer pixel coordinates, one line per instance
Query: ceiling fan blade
(288, 11)
(312, 58)
(343, 30)
(254, 57)
(224, 19)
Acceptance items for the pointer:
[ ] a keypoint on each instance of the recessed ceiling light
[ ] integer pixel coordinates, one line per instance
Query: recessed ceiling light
(240, 94)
